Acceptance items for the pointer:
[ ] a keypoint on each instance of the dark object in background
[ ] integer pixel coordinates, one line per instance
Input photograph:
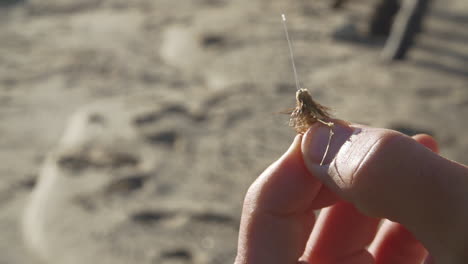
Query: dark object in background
(337, 4)
(410, 130)
(401, 22)
(7, 3)
(382, 17)
(407, 25)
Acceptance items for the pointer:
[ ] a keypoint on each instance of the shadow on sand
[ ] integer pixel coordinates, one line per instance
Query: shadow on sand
(444, 57)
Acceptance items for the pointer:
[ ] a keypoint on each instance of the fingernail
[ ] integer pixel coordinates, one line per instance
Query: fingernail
(316, 140)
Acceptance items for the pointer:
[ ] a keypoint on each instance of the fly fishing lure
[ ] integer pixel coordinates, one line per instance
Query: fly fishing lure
(307, 111)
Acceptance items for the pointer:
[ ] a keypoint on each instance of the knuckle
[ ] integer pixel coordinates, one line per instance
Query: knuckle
(375, 175)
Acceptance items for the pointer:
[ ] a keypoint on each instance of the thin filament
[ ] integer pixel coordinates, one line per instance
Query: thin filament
(291, 53)
(328, 146)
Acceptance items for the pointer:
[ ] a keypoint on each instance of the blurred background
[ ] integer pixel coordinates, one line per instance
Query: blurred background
(131, 130)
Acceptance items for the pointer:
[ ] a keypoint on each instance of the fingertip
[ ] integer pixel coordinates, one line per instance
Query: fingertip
(286, 186)
(396, 244)
(427, 141)
(321, 143)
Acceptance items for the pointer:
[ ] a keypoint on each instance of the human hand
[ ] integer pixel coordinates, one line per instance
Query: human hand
(369, 174)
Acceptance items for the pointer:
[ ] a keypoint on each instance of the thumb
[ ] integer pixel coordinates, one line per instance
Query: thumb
(389, 175)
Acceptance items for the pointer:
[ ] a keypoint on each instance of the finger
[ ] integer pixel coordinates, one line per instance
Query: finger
(389, 175)
(277, 217)
(395, 244)
(340, 236)
(325, 198)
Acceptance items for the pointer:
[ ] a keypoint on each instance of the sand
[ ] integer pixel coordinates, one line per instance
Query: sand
(131, 131)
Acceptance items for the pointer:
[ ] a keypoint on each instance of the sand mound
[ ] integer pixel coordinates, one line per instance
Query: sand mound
(143, 179)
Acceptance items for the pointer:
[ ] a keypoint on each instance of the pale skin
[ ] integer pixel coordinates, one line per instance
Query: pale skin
(369, 175)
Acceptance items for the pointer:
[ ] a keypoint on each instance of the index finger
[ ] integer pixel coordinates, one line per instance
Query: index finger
(278, 213)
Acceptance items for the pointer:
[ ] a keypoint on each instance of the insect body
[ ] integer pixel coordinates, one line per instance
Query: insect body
(307, 112)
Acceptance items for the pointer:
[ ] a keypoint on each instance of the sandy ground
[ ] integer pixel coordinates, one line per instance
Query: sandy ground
(174, 114)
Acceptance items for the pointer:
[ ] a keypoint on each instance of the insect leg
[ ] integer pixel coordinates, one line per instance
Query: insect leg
(328, 146)
(330, 126)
